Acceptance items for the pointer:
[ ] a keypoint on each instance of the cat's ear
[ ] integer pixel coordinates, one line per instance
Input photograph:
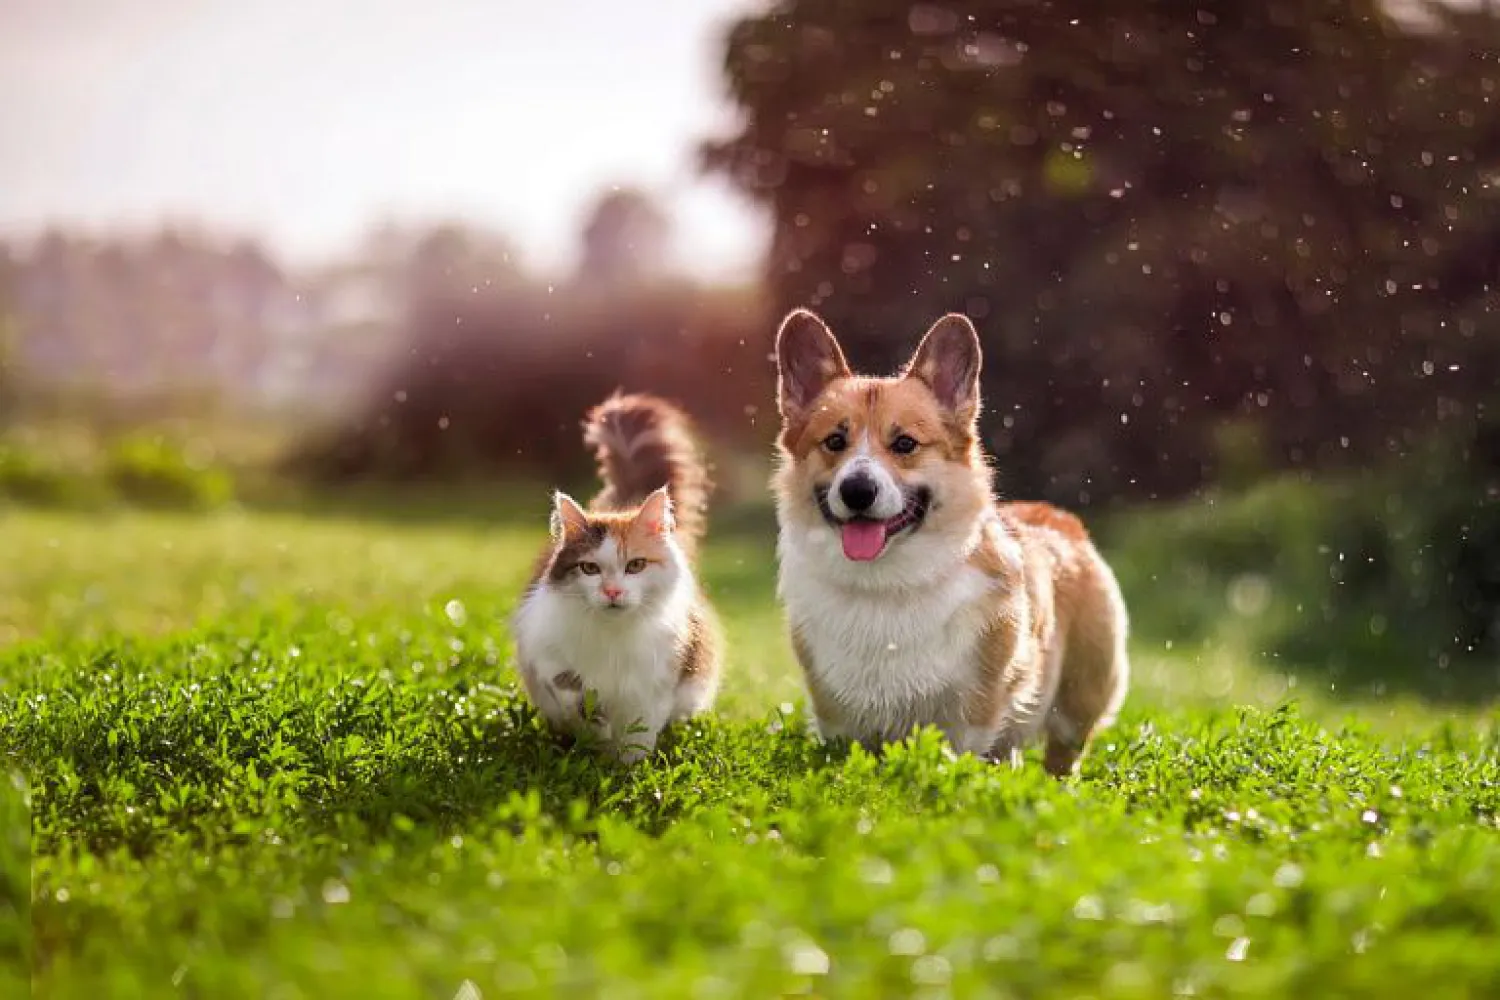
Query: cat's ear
(567, 517)
(655, 515)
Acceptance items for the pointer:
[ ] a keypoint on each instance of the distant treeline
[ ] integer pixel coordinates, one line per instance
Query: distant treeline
(427, 352)
(1202, 244)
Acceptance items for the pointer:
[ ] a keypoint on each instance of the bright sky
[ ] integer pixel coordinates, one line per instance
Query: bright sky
(308, 120)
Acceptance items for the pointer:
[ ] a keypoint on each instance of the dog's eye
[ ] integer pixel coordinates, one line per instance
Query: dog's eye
(836, 441)
(904, 445)
(588, 568)
(635, 565)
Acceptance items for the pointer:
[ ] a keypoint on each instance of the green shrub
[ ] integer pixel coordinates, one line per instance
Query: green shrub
(28, 477)
(152, 472)
(1362, 576)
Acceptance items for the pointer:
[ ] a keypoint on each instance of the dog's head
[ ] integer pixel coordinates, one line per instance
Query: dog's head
(885, 465)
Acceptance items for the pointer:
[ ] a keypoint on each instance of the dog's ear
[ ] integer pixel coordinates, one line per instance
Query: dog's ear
(808, 358)
(948, 361)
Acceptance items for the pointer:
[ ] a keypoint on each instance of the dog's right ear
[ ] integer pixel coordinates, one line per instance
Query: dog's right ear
(808, 358)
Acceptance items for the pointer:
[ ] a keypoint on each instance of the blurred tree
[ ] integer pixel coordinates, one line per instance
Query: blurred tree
(625, 239)
(1161, 217)
(148, 318)
(453, 259)
(9, 358)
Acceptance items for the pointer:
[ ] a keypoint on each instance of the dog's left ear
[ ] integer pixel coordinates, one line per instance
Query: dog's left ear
(948, 361)
(808, 358)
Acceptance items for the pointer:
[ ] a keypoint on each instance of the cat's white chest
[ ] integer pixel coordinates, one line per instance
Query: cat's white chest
(630, 664)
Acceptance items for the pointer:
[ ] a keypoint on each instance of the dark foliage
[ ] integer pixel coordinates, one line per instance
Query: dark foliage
(1162, 218)
(498, 384)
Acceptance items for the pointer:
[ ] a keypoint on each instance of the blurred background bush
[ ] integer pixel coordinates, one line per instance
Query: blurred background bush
(1234, 265)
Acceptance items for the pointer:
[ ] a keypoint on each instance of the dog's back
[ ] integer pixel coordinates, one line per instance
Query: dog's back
(1089, 624)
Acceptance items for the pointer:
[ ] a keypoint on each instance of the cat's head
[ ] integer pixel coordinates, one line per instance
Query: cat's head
(614, 561)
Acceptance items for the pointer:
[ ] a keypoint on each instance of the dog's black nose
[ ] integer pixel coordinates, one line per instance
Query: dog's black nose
(858, 493)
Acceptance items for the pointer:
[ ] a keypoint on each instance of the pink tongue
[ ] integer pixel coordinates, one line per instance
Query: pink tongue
(863, 540)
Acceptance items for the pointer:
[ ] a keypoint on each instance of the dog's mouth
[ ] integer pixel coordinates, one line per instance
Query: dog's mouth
(865, 538)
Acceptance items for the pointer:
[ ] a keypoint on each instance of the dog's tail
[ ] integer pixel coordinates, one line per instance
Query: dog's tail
(642, 443)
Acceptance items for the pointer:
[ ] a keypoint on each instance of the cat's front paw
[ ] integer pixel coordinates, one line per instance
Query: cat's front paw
(634, 747)
(632, 754)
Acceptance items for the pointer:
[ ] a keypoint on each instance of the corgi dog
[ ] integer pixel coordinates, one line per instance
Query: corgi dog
(613, 635)
(913, 597)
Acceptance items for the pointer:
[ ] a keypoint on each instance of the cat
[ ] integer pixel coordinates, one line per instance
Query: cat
(614, 637)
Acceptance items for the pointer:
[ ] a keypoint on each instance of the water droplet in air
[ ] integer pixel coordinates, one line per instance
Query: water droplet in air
(1088, 908)
(907, 941)
(806, 959)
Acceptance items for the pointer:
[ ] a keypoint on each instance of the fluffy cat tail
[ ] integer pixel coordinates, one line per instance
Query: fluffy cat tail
(642, 443)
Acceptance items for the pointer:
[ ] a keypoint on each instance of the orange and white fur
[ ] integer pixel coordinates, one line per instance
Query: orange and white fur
(915, 598)
(613, 635)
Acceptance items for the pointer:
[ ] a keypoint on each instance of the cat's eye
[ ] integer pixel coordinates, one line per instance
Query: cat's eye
(836, 442)
(635, 565)
(588, 568)
(904, 444)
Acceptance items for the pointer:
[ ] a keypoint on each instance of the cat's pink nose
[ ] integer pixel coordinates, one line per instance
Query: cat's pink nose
(611, 593)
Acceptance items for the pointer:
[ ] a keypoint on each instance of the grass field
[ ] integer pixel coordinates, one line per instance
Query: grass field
(280, 756)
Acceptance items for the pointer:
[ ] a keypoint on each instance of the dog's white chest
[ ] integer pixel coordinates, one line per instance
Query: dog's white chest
(891, 658)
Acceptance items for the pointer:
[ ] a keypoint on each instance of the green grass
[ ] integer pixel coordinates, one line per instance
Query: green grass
(283, 756)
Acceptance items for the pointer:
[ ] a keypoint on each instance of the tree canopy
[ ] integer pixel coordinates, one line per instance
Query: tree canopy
(1166, 220)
